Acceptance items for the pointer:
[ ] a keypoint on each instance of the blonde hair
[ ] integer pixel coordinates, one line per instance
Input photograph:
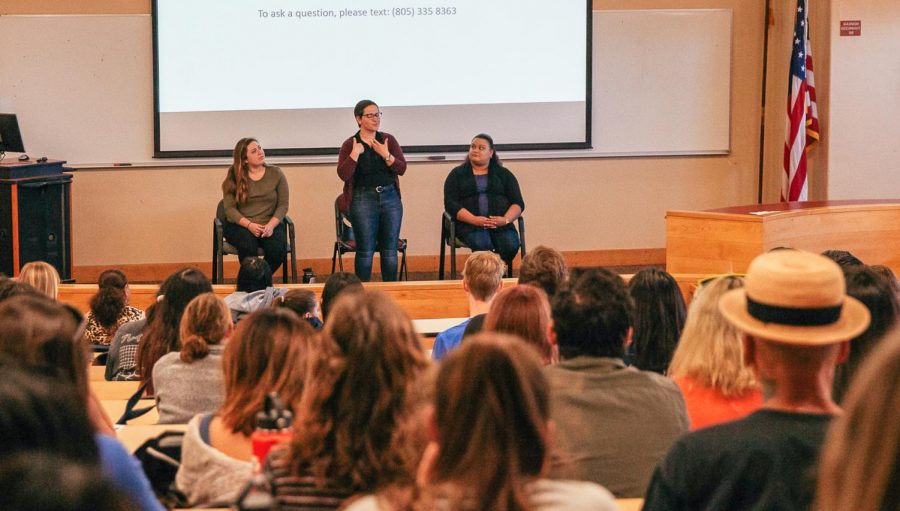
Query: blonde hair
(710, 350)
(860, 462)
(42, 277)
(483, 274)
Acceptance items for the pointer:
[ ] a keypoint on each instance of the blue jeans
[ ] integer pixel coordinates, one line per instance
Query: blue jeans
(376, 218)
(504, 241)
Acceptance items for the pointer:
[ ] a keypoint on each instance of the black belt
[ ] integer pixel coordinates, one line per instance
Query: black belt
(377, 189)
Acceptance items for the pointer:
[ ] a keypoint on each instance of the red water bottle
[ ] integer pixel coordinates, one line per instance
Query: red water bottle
(273, 426)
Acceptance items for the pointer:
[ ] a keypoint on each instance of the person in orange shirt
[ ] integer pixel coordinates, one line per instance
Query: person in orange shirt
(708, 365)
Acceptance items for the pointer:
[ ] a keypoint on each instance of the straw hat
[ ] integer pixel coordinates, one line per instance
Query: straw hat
(795, 297)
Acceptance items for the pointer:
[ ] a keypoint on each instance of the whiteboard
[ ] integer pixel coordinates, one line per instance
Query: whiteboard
(82, 86)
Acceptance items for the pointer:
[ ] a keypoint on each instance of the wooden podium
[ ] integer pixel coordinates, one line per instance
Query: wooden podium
(35, 215)
(726, 240)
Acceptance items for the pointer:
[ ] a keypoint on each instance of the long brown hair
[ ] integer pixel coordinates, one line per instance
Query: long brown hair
(267, 353)
(237, 181)
(523, 311)
(492, 413)
(356, 403)
(205, 321)
(860, 463)
(161, 335)
(45, 335)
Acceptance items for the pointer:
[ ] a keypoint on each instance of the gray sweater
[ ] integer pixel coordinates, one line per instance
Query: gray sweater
(184, 390)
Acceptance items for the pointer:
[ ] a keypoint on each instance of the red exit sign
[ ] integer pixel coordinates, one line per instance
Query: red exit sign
(851, 27)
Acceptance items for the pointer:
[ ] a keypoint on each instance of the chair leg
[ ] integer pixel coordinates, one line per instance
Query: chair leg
(452, 260)
(334, 255)
(215, 269)
(404, 271)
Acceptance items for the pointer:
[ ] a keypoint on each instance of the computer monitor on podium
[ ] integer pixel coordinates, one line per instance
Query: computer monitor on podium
(10, 136)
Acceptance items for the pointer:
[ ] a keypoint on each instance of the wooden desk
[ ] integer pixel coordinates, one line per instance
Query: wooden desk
(133, 435)
(97, 373)
(630, 504)
(114, 389)
(726, 240)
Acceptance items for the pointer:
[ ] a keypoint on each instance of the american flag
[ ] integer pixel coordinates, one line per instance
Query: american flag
(802, 126)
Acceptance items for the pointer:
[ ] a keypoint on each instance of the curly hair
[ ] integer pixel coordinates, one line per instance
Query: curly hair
(355, 411)
(110, 299)
(592, 313)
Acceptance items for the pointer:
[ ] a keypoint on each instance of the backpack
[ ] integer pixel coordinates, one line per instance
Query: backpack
(160, 458)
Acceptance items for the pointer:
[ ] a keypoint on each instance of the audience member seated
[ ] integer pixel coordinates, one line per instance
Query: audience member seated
(74, 486)
(614, 422)
(544, 267)
(491, 434)
(353, 432)
(796, 320)
(482, 279)
(162, 333)
(189, 382)
(41, 276)
(254, 289)
(524, 312)
(336, 284)
(57, 409)
(109, 308)
(875, 292)
(860, 466)
(659, 313)
(11, 287)
(267, 353)
(304, 303)
(484, 197)
(174, 294)
(708, 364)
(843, 258)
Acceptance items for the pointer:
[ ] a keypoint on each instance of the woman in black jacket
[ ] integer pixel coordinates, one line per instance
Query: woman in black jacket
(485, 198)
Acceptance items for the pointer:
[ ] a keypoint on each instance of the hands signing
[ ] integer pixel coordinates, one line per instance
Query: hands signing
(357, 149)
(381, 149)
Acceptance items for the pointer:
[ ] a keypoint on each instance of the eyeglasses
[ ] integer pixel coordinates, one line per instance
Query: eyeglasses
(373, 116)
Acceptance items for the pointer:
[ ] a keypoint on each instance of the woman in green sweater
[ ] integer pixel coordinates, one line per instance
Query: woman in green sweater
(255, 196)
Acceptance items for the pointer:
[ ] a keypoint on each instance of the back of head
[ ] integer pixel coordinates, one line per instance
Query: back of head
(336, 284)
(161, 335)
(110, 299)
(304, 304)
(709, 351)
(43, 334)
(12, 287)
(860, 463)
(843, 258)
(267, 353)
(73, 486)
(42, 277)
(206, 322)
(659, 313)
(255, 275)
(491, 413)
(544, 267)
(592, 313)
(483, 275)
(522, 311)
(357, 394)
(876, 293)
(40, 412)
